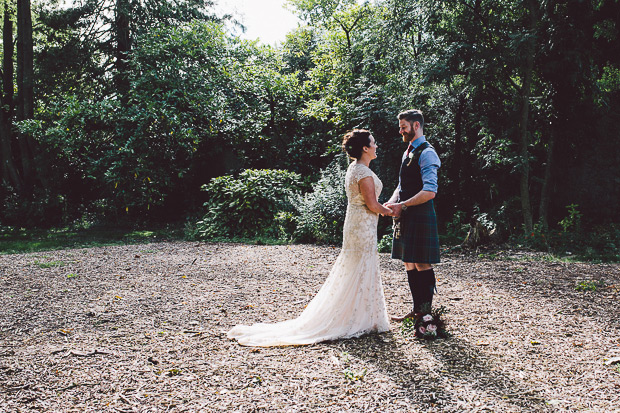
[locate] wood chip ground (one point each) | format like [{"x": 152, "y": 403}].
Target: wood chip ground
[{"x": 141, "y": 328}]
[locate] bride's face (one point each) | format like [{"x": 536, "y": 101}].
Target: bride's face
[{"x": 372, "y": 148}]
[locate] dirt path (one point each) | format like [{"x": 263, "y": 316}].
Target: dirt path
[{"x": 142, "y": 328}]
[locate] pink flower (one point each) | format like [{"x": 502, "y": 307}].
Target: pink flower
[
  {"x": 431, "y": 328},
  {"x": 422, "y": 330},
  {"x": 427, "y": 318}
]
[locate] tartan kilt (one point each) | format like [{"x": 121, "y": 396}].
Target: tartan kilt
[{"x": 419, "y": 241}]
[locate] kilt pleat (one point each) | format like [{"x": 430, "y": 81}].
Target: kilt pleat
[{"x": 419, "y": 241}]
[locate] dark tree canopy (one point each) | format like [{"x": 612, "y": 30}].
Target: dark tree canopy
[{"x": 136, "y": 104}]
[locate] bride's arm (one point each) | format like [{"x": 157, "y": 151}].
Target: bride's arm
[{"x": 367, "y": 188}]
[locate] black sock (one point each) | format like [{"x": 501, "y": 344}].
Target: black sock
[
  {"x": 425, "y": 290},
  {"x": 412, "y": 278}
]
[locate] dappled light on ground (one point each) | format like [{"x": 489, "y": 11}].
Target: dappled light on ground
[{"x": 142, "y": 327}]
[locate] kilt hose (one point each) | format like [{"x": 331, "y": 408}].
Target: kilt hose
[{"x": 418, "y": 241}]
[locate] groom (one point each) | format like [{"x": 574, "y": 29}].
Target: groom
[{"x": 415, "y": 231}]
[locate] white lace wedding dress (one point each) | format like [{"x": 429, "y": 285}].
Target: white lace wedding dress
[{"x": 351, "y": 302}]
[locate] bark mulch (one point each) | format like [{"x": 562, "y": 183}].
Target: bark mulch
[{"x": 141, "y": 328}]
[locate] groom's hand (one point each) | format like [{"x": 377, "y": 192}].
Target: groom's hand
[
  {"x": 395, "y": 207},
  {"x": 386, "y": 205}
]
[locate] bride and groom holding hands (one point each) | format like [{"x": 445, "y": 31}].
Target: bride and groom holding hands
[{"x": 351, "y": 302}]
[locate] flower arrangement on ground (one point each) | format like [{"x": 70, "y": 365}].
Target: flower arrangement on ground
[{"x": 428, "y": 325}]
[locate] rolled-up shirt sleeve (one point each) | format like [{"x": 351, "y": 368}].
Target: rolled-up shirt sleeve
[{"x": 429, "y": 164}]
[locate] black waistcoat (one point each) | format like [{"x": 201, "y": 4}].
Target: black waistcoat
[{"x": 411, "y": 176}]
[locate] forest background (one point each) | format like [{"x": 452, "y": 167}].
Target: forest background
[{"x": 136, "y": 112}]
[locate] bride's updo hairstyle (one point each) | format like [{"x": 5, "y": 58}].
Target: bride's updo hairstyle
[{"x": 354, "y": 142}]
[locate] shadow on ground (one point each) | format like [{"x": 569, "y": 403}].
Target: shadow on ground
[{"x": 443, "y": 374}]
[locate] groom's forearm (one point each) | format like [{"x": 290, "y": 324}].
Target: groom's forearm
[{"x": 419, "y": 198}]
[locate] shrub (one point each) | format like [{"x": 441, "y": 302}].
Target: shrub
[
  {"x": 42, "y": 209},
  {"x": 537, "y": 238},
  {"x": 599, "y": 243},
  {"x": 457, "y": 229},
  {"x": 385, "y": 245},
  {"x": 572, "y": 222},
  {"x": 247, "y": 206},
  {"x": 320, "y": 213}
]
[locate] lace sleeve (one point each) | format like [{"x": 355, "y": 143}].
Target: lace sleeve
[{"x": 360, "y": 172}]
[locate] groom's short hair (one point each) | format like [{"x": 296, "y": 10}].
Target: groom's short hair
[{"x": 412, "y": 115}]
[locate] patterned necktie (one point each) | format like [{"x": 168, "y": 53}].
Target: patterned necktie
[{"x": 409, "y": 149}]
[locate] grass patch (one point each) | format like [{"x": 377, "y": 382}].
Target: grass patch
[
  {"x": 20, "y": 240},
  {"x": 547, "y": 258},
  {"x": 488, "y": 256},
  {"x": 519, "y": 254},
  {"x": 353, "y": 376},
  {"x": 254, "y": 241},
  {"x": 589, "y": 285}
]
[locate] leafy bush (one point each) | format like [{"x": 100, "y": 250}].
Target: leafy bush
[
  {"x": 456, "y": 230},
  {"x": 43, "y": 209},
  {"x": 594, "y": 243},
  {"x": 598, "y": 243},
  {"x": 247, "y": 206},
  {"x": 509, "y": 218},
  {"x": 536, "y": 239},
  {"x": 572, "y": 221},
  {"x": 320, "y": 213},
  {"x": 575, "y": 238},
  {"x": 385, "y": 245}
]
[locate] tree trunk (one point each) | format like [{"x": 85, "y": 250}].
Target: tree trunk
[
  {"x": 123, "y": 47},
  {"x": 25, "y": 80},
  {"x": 524, "y": 184},
  {"x": 456, "y": 168},
  {"x": 25, "y": 61},
  {"x": 7, "y": 63},
  {"x": 10, "y": 174},
  {"x": 545, "y": 195}
]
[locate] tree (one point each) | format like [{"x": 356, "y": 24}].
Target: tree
[
  {"x": 199, "y": 102},
  {"x": 18, "y": 168},
  {"x": 123, "y": 47},
  {"x": 125, "y": 86},
  {"x": 10, "y": 174},
  {"x": 90, "y": 41},
  {"x": 25, "y": 85}
]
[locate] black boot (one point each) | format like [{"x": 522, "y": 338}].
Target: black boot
[{"x": 425, "y": 289}]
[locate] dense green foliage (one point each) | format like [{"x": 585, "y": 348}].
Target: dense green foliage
[
  {"x": 190, "y": 103},
  {"x": 320, "y": 213},
  {"x": 249, "y": 205},
  {"x": 139, "y": 104}
]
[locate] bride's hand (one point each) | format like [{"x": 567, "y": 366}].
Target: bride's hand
[
  {"x": 395, "y": 207},
  {"x": 388, "y": 214}
]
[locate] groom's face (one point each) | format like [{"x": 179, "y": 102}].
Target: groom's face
[{"x": 406, "y": 129}]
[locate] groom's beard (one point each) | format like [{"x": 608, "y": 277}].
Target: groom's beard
[{"x": 408, "y": 137}]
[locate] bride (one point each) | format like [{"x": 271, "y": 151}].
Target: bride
[{"x": 350, "y": 303}]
